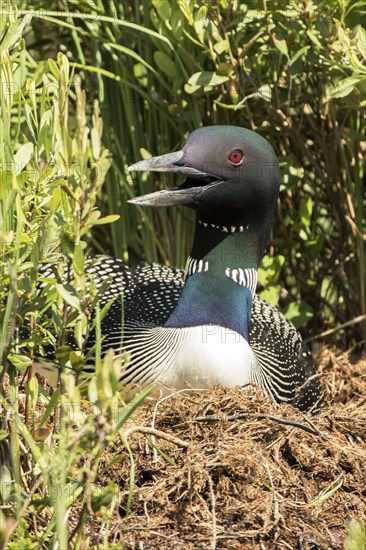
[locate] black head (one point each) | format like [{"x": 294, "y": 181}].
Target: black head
[{"x": 232, "y": 177}]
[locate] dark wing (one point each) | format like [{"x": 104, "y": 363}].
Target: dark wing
[
  {"x": 287, "y": 370},
  {"x": 143, "y": 297}
]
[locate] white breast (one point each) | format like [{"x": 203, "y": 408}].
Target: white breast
[{"x": 197, "y": 357}]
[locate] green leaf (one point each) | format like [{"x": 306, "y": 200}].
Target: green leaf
[
  {"x": 270, "y": 269},
  {"x": 306, "y": 210},
  {"x": 28, "y": 118},
  {"x": 93, "y": 390},
  {"x": 359, "y": 37},
  {"x": 77, "y": 360},
  {"x": 6, "y": 487},
  {"x": 191, "y": 89},
  {"x": 356, "y": 538},
  {"x": 53, "y": 402},
  {"x": 132, "y": 54},
  {"x": 145, "y": 153},
  {"x": 328, "y": 290},
  {"x": 15, "y": 32},
  {"x": 45, "y": 136},
  {"x": 221, "y": 46},
  {"x": 265, "y": 92},
  {"x": 298, "y": 313},
  {"x": 95, "y": 142},
  {"x": 314, "y": 38},
  {"x": 23, "y": 156},
  {"x": 200, "y": 22},
  {"x": 224, "y": 69},
  {"x": 186, "y": 9},
  {"x": 281, "y": 46},
  {"x": 304, "y": 234},
  {"x": 93, "y": 218},
  {"x": 55, "y": 71},
  {"x": 207, "y": 78},
  {"x": 164, "y": 10},
  {"x": 79, "y": 258},
  {"x": 271, "y": 294},
  {"x": 70, "y": 299},
  {"x": 164, "y": 63},
  {"x": 344, "y": 87},
  {"x": 32, "y": 390},
  {"x": 20, "y": 362},
  {"x": 104, "y": 498},
  {"x": 300, "y": 53},
  {"x": 133, "y": 405},
  {"x": 177, "y": 24},
  {"x": 107, "y": 219}
]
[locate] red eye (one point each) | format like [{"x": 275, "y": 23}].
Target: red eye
[{"x": 236, "y": 156}]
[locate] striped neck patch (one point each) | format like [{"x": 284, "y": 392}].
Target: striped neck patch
[
  {"x": 245, "y": 277},
  {"x": 224, "y": 228},
  {"x": 195, "y": 266}
]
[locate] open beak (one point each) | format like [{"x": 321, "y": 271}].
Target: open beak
[{"x": 187, "y": 193}]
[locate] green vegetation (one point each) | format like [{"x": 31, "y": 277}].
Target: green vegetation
[
  {"x": 294, "y": 73},
  {"x": 53, "y": 167},
  {"x": 150, "y": 73},
  {"x": 356, "y": 539}
]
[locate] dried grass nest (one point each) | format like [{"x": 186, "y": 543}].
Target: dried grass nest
[{"x": 247, "y": 481}]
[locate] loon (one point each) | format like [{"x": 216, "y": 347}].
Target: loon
[{"x": 205, "y": 326}]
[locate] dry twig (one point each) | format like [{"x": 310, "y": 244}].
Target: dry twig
[{"x": 241, "y": 416}]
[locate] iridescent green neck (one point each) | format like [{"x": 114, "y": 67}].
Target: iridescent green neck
[{"x": 219, "y": 247}]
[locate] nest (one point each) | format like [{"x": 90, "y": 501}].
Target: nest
[{"x": 215, "y": 469}]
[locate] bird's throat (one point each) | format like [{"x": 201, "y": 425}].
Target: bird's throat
[
  {"x": 222, "y": 248},
  {"x": 221, "y": 277}
]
